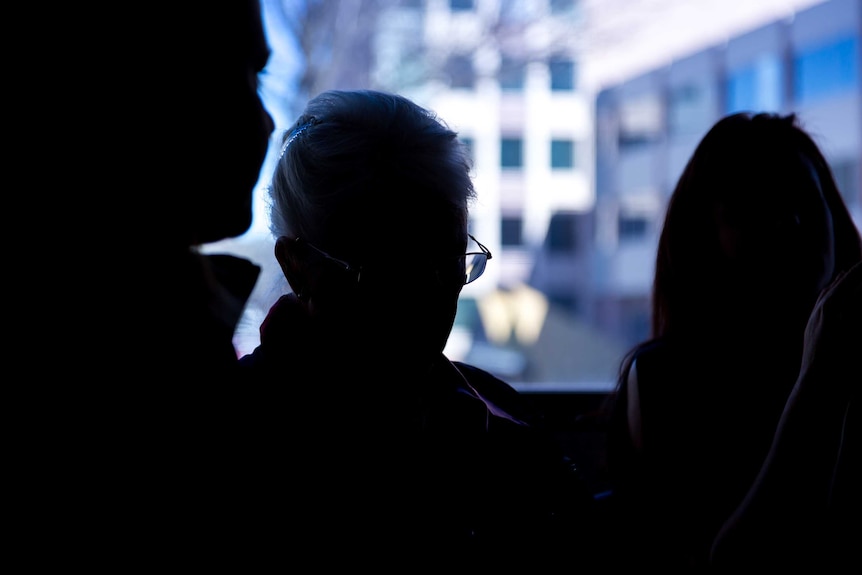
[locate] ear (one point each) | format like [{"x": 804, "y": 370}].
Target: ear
[{"x": 289, "y": 254}]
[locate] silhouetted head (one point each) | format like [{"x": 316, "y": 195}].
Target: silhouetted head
[
  {"x": 369, "y": 202},
  {"x": 214, "y": 132},
  {"x": 754, "y": 229}
]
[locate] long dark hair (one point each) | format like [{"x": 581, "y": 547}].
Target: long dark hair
[
  {"x": 686, "y": 253},
  {"x": 686, "y": 245}
]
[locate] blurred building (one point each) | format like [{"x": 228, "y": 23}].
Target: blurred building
[{"x": 648, "y": 126}]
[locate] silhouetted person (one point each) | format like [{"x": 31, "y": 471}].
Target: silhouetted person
[
  {"x": 210, "y": 195},
  {"x": 754, "y": 230},
  {"x": 803, "y": 511},
  {"x": 153, "y": 456},
  {"x": 399, "y": 455}
]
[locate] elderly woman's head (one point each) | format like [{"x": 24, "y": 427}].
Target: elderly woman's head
[{"x": 369, "y": 202}]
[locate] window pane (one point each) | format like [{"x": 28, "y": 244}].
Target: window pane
[
  {"x": 562, "y": 74},
  {"x": 847, "y": 178},
  {"x": 511, "y": 228},
  {"x": 511, "y": 75},
  {"x": 690, "y": 109},
  {"x": 511, "y": 152},
  {"x": 460, "y": 5},
  {"x": 561, "y": 233},
  {"x": 827, "y": 70},
  {"x": 515, "y": 12},
  {"x": 632, "y": 227},
  {"x": 640, "y": 121},
  {"x": 562, "y": 154},
  {"x": 460, "y": 71},
  {"x": 468, "y": 144},
  {"x": 758, "y": 87},
  {"x": 562, "y": 6}
]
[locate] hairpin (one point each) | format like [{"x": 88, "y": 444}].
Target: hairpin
[{"x": 294, "y": 135}]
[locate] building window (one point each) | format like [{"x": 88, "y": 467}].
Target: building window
[
  {"x": 562, "y": 74},
  {"x": 689, "y": 109},
  {"x": 826, "y": 70},
  {"x": 559, "y": 7},
  {"x": 511, "y": 153},
  {"x": 847, "y": 178},
  {"x": 459, "y": 67},
  {"x": 515, "y": 12},
  {"x": 468, "y": 143},
  {"x": 461, "y": 5},
  {"x": 640, "y": 121},
  {"x": 512, "y": 74},
  {"x": 561, "y": 233},
  {"x": 562, "y": 154},
  {"x": 757, "y": 87},
  {"x": 511, "y": 231},
  {"x": 632, "y": 227}
]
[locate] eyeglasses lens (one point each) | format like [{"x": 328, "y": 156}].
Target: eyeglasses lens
[{"x": 475, "y": 267}]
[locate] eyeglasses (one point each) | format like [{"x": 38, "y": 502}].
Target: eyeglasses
[
  {"x": 463, "y": 269},
  {"x": 477, "y": 260}
]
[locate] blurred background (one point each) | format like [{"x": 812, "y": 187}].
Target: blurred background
[{"x": 579, "y": 115}]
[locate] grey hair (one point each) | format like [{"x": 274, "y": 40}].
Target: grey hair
[{"x": 353, "y": 156}]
